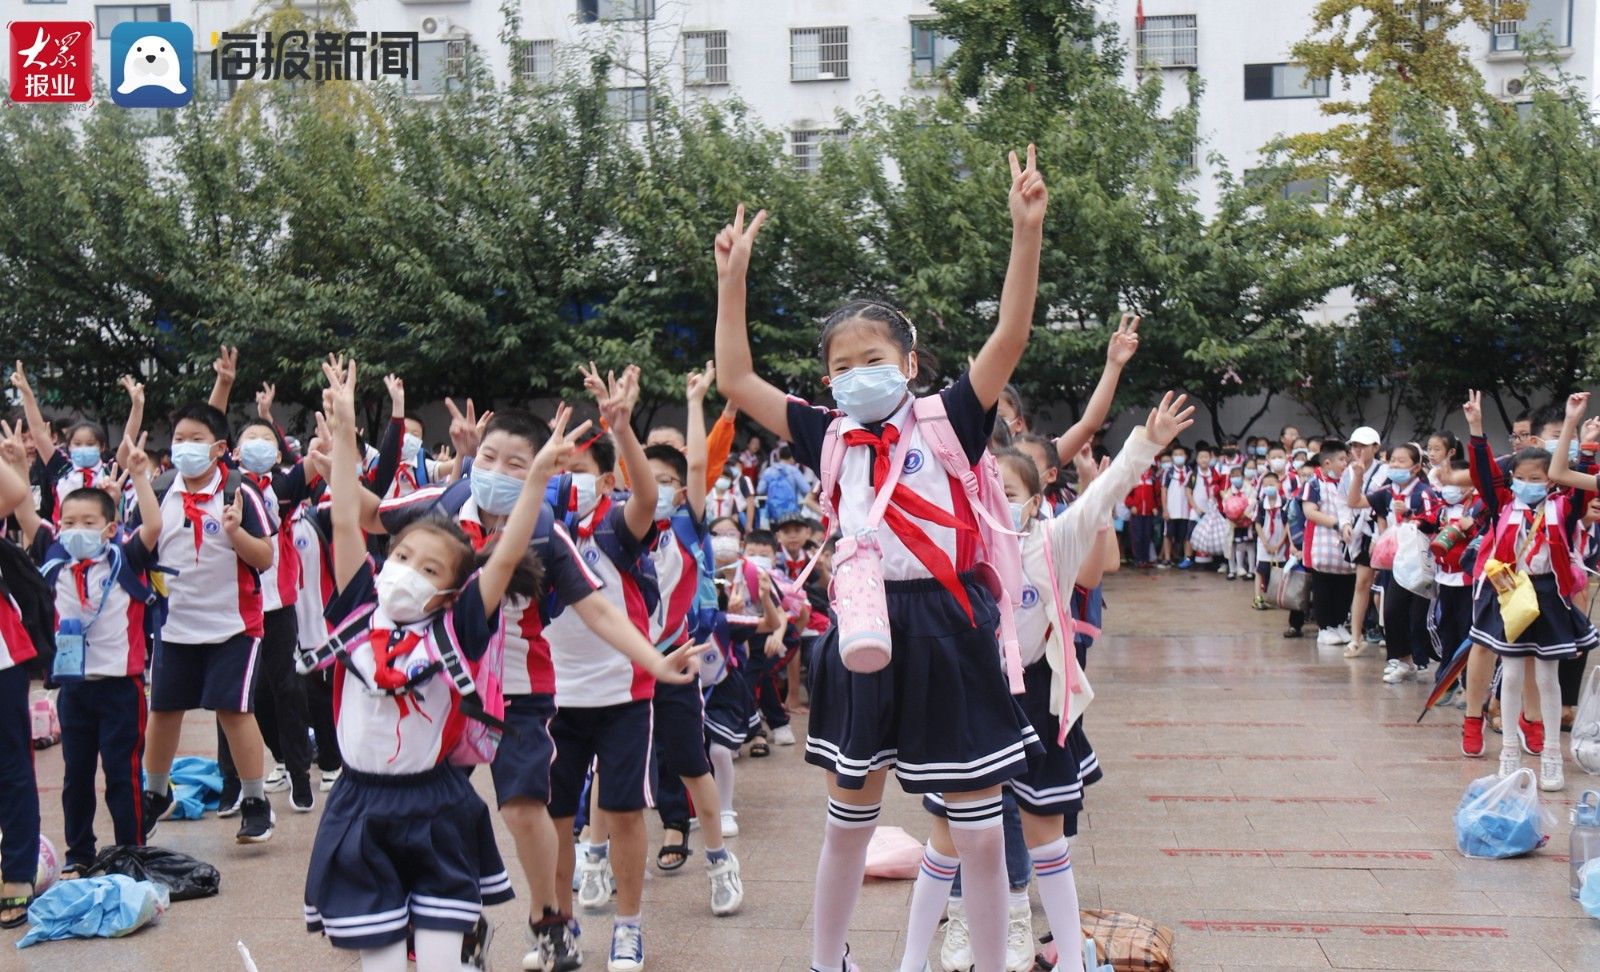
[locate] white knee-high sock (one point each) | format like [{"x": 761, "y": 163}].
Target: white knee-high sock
[
  {"x": 1511, "y": 702},
  {"x": 1547, "y": 675},
  {"x": 928, "y": 898},
  {"x": 980, "y": 842},
  {"x": 722, "y": 771},
  {"x": 437, "y": 951},
  {"x": 1052, "y": 869},
  {"x": 840, "y": 869},
  {"x": 389, "y": 958}
]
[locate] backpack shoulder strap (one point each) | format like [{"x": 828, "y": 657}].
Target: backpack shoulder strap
[
  {"x": 933, "y": 421},
  {"x": 163, "y": 483},
  {"x": 832, "y": 461},
  {"x": 456, "y": 669}
]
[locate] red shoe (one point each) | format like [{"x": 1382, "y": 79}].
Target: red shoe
[
  {"x": 1532, "y": 734},
  {"x": 1472, "y": 736}
]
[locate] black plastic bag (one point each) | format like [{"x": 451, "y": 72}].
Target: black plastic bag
[{"x": 184, "y": 877}]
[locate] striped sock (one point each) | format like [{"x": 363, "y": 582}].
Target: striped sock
[
  {"x": 1052, "y": 867},
  {"x": 980, "y": 843},
  {"x": 928, "y": 899},
  {"x": 840, "y": 868}
]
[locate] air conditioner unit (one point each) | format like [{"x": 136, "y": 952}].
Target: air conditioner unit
[
  {"x": 1514, "y": 87},
  {"x": 433, "y": 28}
]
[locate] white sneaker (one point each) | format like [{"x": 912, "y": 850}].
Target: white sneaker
[
  {"x": 1510, "y": 762},
  {"x": 627, "y": 949},
  {"x": 595, "y": 882},
  {"x": 1399, "y": 670},
  {"x": 730, "y": 823},
  {"x": 277, "y": 780},
  {"x": 1328, "y": 636},
  {"x": 955, "y": 955},
  {"x": 727, "y": 888},
  {"x": 783, "y": 736},
  {"x": 329, "y": 777},
  {"x": 1019, "y": 939},
  {"x": 1550, "y": 778}
]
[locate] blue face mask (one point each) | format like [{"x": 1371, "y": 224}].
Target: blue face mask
[
  {"x": 1261, "y": 452},
  {"x": 84, "y": 456},
  {"x": 1399, "y": 476},
  {"x": 870, "y": 394},
  {"x": 1166, "y": 465},
  {"x": 1237, "y": 481},
  {"x": 666, "y": 502},
  {"x": 1018, "y": 523},
  {"x": 1572, "y": 448},
  {"x": 410, "y": 446},
  {"x": 192, "y": 459},
  {"x": 495, "y": 493},
  {"x": 82, "y": 544},
  {"x": 1269, "y": 492},
  {"x": 258, "y": 455},
  {"x": 1531, "y": 494}
]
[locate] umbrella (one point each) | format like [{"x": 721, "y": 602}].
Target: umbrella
[{"x": 1448, "y": 673}]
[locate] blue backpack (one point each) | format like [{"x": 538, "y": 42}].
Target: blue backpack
[
  {"x": 782, "y": 496},
  {"x": 558, "y": 499},
  {"x": 692, "y": 535},
  {"x": 152, "y": 596}
]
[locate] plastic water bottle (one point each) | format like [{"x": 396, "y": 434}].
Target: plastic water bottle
[{"x": 1585, "y": 834}]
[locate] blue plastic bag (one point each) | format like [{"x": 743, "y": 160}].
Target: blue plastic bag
[
  {"x": 1589, "y": 892},
  {"x": 196, "y": 787},
  {"x": 1501, "y": 818},
  {"x": 94, "y": 907},
  {"x": 1091, "y": 961}
]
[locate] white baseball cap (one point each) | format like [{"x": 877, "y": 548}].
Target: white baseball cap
[{"x": 1366, "y": 435}]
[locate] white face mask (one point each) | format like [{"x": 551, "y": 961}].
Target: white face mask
[
  {"x": 724, "y": 484},
  {"x": 403, "y": 593},
  {"x": 725, "y": 549},
  {"x": 666, "y": 502},
  {"x": 761, "y": 563},
  {"x": 584, "y": 488},
  {"x": 410, "y": 446}
]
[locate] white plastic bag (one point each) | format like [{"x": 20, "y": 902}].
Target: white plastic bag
[
  {"x": 1502, "y": 818},
  {"x": 1413, "y": 561},
  {"x": 1586, "y": 726}
]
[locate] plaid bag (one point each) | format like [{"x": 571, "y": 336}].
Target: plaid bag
[
  {"x": 1324, "y": 547},
  {"x": 1129, "y": 943}
]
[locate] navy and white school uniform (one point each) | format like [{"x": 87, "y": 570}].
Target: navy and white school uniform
[
  {"x": 603, "y": 699},
  {"x": 1451, "y": 618},
  {"x": 19, "y": 790},
  {"x": 404, "y": 839},
  {"x": 679, "y": 710},
  {"x": 1053, "y": 785},
  {"x": 522, "y": 764},
  {"x": 940, "y": 714},
  {"x": 1405, "y": 613},
  {"x": 211, "y": 639},
  {"x": 103, "y": 713}
]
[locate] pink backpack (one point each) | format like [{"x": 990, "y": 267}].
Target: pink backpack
[
  {"x": 999, "y": 552},
  {"x": 478, "y": 685}
]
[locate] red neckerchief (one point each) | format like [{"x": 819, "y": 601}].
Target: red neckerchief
[
  {"x": 407, "y": 476},
  {"x": 263, "y": 482},
  {"x": 88, "y": 476},
  {"x": 907, "y": 499},
  {"x": 595, "y": 517},
  {"x": 80, "y": 580},
  {"x": 389, "y": 647},
  {"x": 192, "y": 503}
]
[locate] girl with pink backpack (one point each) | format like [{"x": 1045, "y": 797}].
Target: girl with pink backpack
[
  {"x": 909, "y": 678},
  {"x": 404, "y": 839}
]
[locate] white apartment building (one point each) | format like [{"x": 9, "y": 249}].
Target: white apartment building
[{"x": 798, "y": 63}]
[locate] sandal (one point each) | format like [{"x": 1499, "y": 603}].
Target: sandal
[
  {"x": 759, "y": 748},
  {"x": 11, "y": 902},
  {"x": 71, "y": 872},
  {"x": 680, "y": 849}
]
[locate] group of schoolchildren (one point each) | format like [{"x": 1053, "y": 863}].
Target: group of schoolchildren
[
  {"x": 567, "y": 605},
  {"x": 1471, "y": 520}
]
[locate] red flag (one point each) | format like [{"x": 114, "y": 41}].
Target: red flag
[{"x": 1138, "y": 15}]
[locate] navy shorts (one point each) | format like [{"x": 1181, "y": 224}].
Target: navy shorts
[
  {"x": 729, "y": 712},
  {"x": 415, "y": 850},
  {"x": 220, "y": 677},
  {"x": 521, "y": 767},
  {"x": 680, "y": 737},
  {"x": 613, "y": 738}
]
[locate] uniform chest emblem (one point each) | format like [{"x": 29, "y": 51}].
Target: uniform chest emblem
[
  {"x": 913, "y": 462},
  {"x": 212, "y": 528},
  {"x": 591, "y": 556},
  {"x": 1030, "y": 597}
]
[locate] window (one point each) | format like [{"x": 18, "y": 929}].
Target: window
[
  {"x": 805, "y": 146},
  {"x": 1169, "y": 41},
  {"x": 629, "y": 104},
  {"x": 1312, "y": 190},
  {"x": 536, "y": 61},
  {"x": 204, "y": 86},
  {"x": 441, "y": 68},
  {"x": 705, "y": 57},
  {"x": 590, "y": 11},
  {"x": 1550, "y": 18},
  {"x": 1271, "y": 81},
  {"x": 819, "y": 54},
  {"x": 44, "y": 1},
  {"x": 929, "y": 50},
  {"x": 106, "y": 18}
]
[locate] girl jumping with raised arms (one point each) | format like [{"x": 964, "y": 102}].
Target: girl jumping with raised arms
[{"x": 939, "y": 712}]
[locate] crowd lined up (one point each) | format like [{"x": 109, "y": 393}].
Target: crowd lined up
[{"x": 608, "y": 623}]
